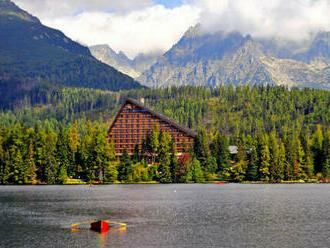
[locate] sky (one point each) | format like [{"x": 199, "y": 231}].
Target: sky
[{"x": 154, "y": 26}]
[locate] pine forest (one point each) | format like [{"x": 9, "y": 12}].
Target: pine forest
[{"x": 56, "y": 135}]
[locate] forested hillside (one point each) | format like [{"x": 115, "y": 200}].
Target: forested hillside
[
  {"x": 232, "y": 111},
  {"x": 32, "y": 53},
  {"x": 281, "y": 135}
]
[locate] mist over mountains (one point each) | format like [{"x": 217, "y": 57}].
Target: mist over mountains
[
  {"x": 132, "y": 67},
  {"x": 36, "y": 53},
  {"x": 222, "y": 58}
]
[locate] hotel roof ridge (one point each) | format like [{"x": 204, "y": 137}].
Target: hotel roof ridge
[{"x": 160, "y": 116}]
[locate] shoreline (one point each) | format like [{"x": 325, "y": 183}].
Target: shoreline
[{"x": 153, "y": 183}]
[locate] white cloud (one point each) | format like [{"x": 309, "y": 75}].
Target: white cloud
[
  {"x": 55, "y": 8},
  {"x": 142, "y": 26},
  {"x": 294, "y": 19},
  {"x": 149, "y": 30}
]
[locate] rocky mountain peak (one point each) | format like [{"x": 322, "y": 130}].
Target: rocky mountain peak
[
  {"x": 320, "y": 46},
  {"x": 221, "y": 58}
]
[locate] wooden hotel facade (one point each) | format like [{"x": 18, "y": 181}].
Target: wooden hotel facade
[{"x": 134, "y": 121}]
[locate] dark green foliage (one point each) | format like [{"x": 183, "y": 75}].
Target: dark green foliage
[
  {"x": 252, "y": 169},
  {"x": 33, "y": 54},
  {"x": 201, "y": 148},
  {"x": 220, "y": 151},
  {"x": 125, "y": 168}
]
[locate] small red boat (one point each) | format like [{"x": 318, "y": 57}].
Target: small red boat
[
  {"x": 100, "y": 226},
  {"x": 220, "y": 183}
]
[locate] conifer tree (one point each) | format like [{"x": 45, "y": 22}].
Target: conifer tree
[
  {"x": 136, "y": 154},
  {"x": 252, "y": 168},
  {"x": 164, "y": 158},
  {"x": 326, "y": 154},
  {"x": 31, "y": 169},
  {"x": 264, "y": 158},
  {"x": 174, "y": 161},
  {"x": 317, "y": 149},
  {"x": 220, "y": 151},
  {"x": 196, "y": 171},
  {"x": 17, "y": 172},
  {"x": 154, "y": 142},
  {"x": 299, "y": 161},
  {"x": 125, "y": 168},
  {"x": 279, "y": 168},
  {"x": 201, "y": 148},
  {"x": 73, "y": 143},
  {"x": 274, "y": 157},
  {"x": 62, "y": 148}
]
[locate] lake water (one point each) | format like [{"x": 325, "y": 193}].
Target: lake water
[{"x": 196, "y": 215}]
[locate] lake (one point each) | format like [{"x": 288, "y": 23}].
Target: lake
[{"x": 187, "y": 215}]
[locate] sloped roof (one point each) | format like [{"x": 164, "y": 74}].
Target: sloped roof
[{"x": 160, "y": 116}]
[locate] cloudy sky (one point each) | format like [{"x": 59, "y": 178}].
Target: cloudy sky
[{"x": 146, "y": 26}]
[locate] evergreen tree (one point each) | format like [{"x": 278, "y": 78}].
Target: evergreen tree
[
  {"x": 264, "y": 158},
  {"x": 278, "y": 175},
  {"x": 125, "y": 168},
  {"x": 196, "y": 171},
  {"x": 73, "y": 143},
  {"x": 220, "y": 151},
  {"x": 317, "y": 149},
  {"x": 274, "y": 158},
  {"x": 174, "y": 161},
  {"x": 252, "y": 168},
  {"x": 31, "y": 169},
  {"x": 154, "y": 142},
  {"x": 62, "y": 149},
  {"x": 63, "y": 175},
  {"x": 299, "y": 161},
  {"x": 326, "y": 154},
  {"x": 16, "y": 173},
  {"x": 164, "y": 158},
  {"x": 201, "y": 148},
  {"x": 136, "y": 154}
]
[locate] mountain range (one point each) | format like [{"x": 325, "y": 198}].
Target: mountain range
[
  {"x": 32, "y": 53},
  {"x": 212, "y": 59},
  {"x": 132, "y": 67},
  {"x": 231, "y": 58}
]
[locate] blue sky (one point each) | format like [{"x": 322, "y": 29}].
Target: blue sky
[{"x": 171, "y": 3}]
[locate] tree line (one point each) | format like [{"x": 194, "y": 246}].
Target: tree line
[
  {"x": 282, "y": 132},
  {"x": 83, "y": 151}
]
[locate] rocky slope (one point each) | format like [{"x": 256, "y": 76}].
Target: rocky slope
[
  {"x": 221, "y": 59},
  {"x": 121, "y": 62}
]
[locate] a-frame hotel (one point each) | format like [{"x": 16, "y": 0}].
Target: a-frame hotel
[{"x": 134, "y": 121}]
